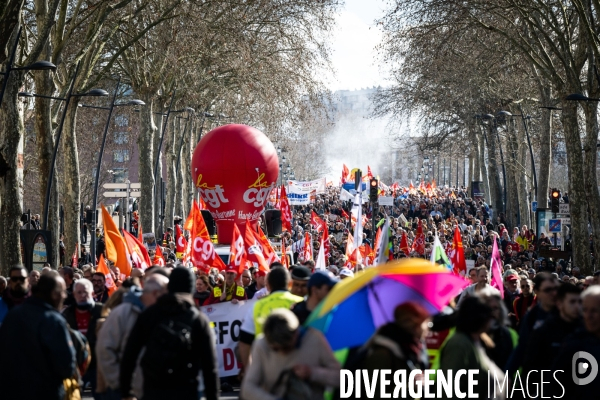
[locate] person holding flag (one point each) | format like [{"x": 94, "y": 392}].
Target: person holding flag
[{"x": 231, "y": 291}]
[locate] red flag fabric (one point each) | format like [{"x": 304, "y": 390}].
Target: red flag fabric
[
  {"x": 203, "y": 254},
  {"x": 284, "y": 259},
  {"x": 237, "y": 253},
  {"x": 108, "y": 279},
  {"x": 139, "y": 254},
  {"x": 267, "y": 250},
  {"x": 326, "y": 242},
  {"x": 404, "y": 245},
  {"x": 419, "y": 242},
  {"x": 140, "y": 234},
  {"x": 180, "y": 242},
  {"x": 317, "y": 223},
  {"x": 286, "y": 213},
  {"x": 345, "y": 174},
  {"x": 457, "y": 255},
  {"x": 369, "y": 173},
  {"x": 75, "y": 258},
  {"x": 307, "y": 254},
  {"x": 345, "y": 214},
  {"x": 254, "y": 252},
  {"x": 158, "y": 257}
]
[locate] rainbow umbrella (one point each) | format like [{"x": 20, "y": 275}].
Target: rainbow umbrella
[{"x": 356, "y": 307}]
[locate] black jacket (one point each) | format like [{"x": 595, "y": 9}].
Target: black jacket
[
  {"x": 203, "y": 349},
  {"x": 36, "y": 353},
  {"x": 546, "y": 341},
  {"x": 69, "y": 314}
]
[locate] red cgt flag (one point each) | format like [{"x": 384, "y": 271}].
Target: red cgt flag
[
  {"x": 254, "y": 252},
  {"x": 180, "y": 242},
  {"x": 317, "y": 223},
  {"x": 307, "y": 254},
  {"x": 286, "y": 213},
  {"x": 457, "y": 255},
  {"x": 203, "y": 254},
  {"x": 237, "y": 253},
  {"x": 404, "y": 245},
  {"x": 419, "y": 242},
  {"x": 158, "y": 257},
  {"x": 108, "y": 279},
  {"x": 139, "y": 254}
]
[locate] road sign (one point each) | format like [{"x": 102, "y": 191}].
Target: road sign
[
  {"x": 121, "y": 195},
  {"x": 386, "y": 201},
  {"x": 563, "y": 208},
  {"x": 566, "y": 221},
  {"x": 533, "y": 206},
  {"x": 554, "y": 225},
  {"x": 122, "y": 186}
]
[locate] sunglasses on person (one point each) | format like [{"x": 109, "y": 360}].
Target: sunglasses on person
[{"x": 17, "y": 278}]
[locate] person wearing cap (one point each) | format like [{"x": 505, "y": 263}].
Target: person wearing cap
[
  {"x": 175, "y": 308},
  {"x": 300, "y": 277},
  {"x": 278, "y": 281},
  {"x": 511, "y": 292},
  {"x": 319, "y": 285},
  {"x": 258, "y": 283},
  {"x": 346, "y": 273},
  {"x": 229, "y": 291}
]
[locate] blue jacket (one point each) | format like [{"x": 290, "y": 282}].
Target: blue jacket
[{"x": 36, "y": 352}]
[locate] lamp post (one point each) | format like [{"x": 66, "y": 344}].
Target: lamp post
[
  {"x": 67, "y": 100},
  {"x": 508, "y": 114},
  {"x": 36, "y": 66},
  {"x": 101, "y": 154}
]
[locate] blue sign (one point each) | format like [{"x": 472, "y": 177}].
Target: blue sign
[
  {"x": 554, "y": 225},
  {"x": 349, "y": 186},
  {"x": 533, "y": 206}
]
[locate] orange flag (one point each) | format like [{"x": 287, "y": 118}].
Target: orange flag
[
  {"x": 286, "y": 214},
  {"x": 404, "y": 245},
  {"x": 284, "y": 259},
  {"x": 308, "y": 249},
  {"x": 108, "y": 279},
  {"x": 140, "y": 234},
  {"x": 267, "y": 249},
  {"x": 237, "y": 253},
  {"x": 189, "y": 222},
  {"x": 457, "y": 255},
  {"x": 254, "y": 253},
  {"x": 139, "y": 254},
  {"x": 203, "y": 252},
  {"x": 116, "y": 249},
  {"x": 158, "y": 257}
]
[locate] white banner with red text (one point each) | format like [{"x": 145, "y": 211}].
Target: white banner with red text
[{"x": 226, "y": 319}]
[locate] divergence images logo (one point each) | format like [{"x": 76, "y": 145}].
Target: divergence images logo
[{"x": 581, "y": 367}]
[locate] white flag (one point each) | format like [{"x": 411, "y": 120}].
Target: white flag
[
  {"x": 321, "y": 264},
  {"x": 382, "y": 254},
  {"x": 358, "y": 228}
]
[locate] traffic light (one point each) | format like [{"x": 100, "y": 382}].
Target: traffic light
[
  {"x": 555, "y": 200},
  {"x": 373, "y": 190}
]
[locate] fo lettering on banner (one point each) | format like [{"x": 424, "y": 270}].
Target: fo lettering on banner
[{"x": 226, "y": 318}]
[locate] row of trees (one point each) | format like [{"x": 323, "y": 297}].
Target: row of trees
[
  {"x": 254, "y": 61},
  {"x": 453, "y": 61}
]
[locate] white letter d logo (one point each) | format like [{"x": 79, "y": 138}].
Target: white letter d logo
[{"x": 580, "y": 368}]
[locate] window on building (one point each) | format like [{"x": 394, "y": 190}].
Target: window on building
[
  {"x": 120, "y": 175},
  {"x": 121, "y": 156},
  {"x": 121, "y": 137},
  {"x": 122, "y": 120}
]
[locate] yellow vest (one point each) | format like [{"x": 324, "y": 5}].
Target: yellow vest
[{"x": 264, "y": 306}]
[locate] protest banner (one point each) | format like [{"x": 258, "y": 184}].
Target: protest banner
[
  {"x": 318, "y": 185},
  {"x": 226, "y": 318}
]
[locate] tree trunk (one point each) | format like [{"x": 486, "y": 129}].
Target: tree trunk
[
  {"x": 158, "y": 211},
  {"x": 186, "y": 163},
  {"x": 494, "y": 178},
  {"x": 72, "y": 190},
  {"x": 11, "y": 136},
  {"x": 589, "y": 167},
  {"x": 169, "y": 151},
  {"x": 45, "y": 148},
  {"x": 521, "y": 169},
  {"x": 577, "y": 193},
  {"x": 146, "y": 162},
  {"x": 545, "y": 141},
  {"x": 483, "y": 167}
]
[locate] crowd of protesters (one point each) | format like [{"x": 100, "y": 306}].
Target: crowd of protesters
[{"x": 62, "y": 330}]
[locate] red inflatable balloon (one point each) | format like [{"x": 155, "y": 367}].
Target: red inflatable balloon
[{"x": 234, "y": 168}]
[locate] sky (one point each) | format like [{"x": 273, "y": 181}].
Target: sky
[{"x": 353, "y": 45}]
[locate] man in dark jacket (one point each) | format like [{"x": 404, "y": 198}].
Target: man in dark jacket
[
  {"x": 16, "y": 292},
  {"x": 82, "y": 316},
  {"x": 169, "y": 373},
  {"x": 36, "y": 352}
]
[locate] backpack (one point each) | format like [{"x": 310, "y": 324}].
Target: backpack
[{"x": 168, "y": 355}]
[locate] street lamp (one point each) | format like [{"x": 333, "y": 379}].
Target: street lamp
[
  {"x": 507, "y": 114},
  {"x": 36, "y": 66},
  {"x": 67, "y": 100},
  {"x": 110, "y": 109}
]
